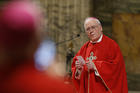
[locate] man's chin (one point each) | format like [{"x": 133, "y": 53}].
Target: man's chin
[{"x": 92, "y": 40}]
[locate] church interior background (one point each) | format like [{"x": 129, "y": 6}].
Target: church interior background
[{"x": 120, "y": 19}]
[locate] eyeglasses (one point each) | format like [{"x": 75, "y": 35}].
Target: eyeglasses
[{"x": 91, "y": 28}]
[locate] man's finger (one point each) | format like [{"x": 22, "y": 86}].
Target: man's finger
[{"x": 77, "y": 64}]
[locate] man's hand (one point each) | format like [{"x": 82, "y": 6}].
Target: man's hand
[
  {"x": 78, "y": 64},
  {"x": 90, "y": 65},
  {"x": 79, "y": 67}
]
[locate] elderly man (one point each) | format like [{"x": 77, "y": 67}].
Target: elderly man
[{"x": 99, "y": 67}]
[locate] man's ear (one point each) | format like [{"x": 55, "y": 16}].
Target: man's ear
[{"x": 101, "y": 29}]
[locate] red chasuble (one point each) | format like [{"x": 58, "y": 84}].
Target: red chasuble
[
  {"x": 110, "y": 65},
  {"x": 26, "y": 79}
]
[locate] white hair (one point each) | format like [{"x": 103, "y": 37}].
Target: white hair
[{"x": 89, "y": 19}]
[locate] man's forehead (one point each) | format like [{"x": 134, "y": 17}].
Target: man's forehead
[{"x": 91, "y": 22}]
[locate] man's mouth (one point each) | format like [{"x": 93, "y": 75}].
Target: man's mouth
[{"x": 91, "y": 33}]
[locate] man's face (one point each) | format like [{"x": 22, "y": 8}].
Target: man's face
[{"x": 93, "y": 29}]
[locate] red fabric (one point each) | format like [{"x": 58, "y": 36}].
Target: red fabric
[
  {"x": 110, "y": 65},
  {"x": 26, "y": 79}
]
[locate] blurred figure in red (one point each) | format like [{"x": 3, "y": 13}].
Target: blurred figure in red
[{"x": 19, "y": 39}]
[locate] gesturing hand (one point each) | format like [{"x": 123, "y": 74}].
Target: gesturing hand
[
  {"x": 90, "y": 65},
  {"x": 78, "y": 64},
  {"x": 79, "y": 68}
]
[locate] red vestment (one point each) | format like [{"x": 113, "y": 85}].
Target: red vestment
[
  {"x": 24, "y": 78},
  {"x": 110, "y": 64}
]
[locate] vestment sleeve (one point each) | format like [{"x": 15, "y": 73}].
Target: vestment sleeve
[
  {"x": 75, "y": 81},
  {"x": 80, "y": 53}
]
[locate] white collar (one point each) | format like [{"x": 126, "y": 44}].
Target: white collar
[{"x": 99, "y": 40}]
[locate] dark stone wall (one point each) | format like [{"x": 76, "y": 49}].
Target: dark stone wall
[{"x": 104, "y": 9}]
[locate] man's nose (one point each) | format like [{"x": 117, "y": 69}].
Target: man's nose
[{"x": 90, "y": 29}]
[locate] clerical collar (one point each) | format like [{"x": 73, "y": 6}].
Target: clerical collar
[{"x": 99, "y": 40}]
